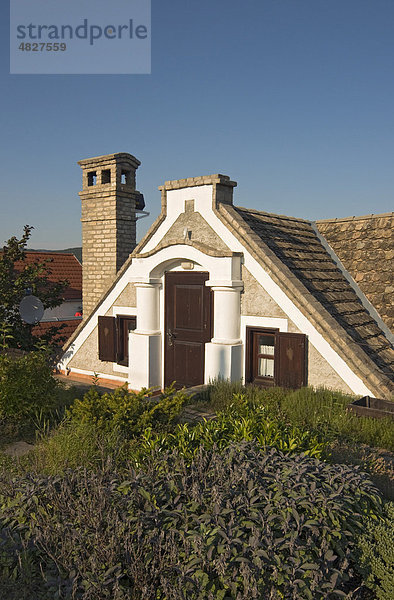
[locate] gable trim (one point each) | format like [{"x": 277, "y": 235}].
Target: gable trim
[{"x": 174, "y": 208}]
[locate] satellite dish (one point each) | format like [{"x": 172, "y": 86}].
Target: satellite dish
[{"x": 31, "y": 309}]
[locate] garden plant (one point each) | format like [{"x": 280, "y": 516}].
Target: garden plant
[{"x": 123, "y": 499}]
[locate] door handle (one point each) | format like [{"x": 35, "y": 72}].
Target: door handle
[{"x": 170, "y": 337}]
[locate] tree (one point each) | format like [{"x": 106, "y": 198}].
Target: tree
[{"x": 17, "y": 276}]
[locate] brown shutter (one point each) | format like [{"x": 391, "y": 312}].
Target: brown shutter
[
  {"x": 290, "y": 360},
  {"x": 107, "y": 338}
]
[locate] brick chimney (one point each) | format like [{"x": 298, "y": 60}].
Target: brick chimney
[{"x": 109, "y": 201}]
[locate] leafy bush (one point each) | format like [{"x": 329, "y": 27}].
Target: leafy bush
[
  {"x": 237, "y": 423},
  {"x": 134, "y": 426},
  {"x": 27, "y": 385},
  {"x": 127, "y": 411},
  {"x": 98, "y": 426},
  {"x": 237, "y": 524},
  {"x": 377, "y": 554}
]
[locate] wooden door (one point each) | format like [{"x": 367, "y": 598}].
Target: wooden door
[{"x": 187, "y": 327}]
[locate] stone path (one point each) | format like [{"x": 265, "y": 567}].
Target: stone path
[
  {"x": 196, "y": 414},
  {"x": 18, "y": 448},
  {"x": 84, "y": 385}
]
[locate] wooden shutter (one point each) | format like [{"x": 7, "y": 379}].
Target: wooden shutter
[
  {"x": 107, "y": 338},
  {"x": 290, "y": 360}
]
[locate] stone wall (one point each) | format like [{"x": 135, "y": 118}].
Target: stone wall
[
  {"x": 198, "y": 230},
  {"x": 365, "y": 246}
]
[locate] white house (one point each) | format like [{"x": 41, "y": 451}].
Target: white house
[{"x": 214, "y": 290}]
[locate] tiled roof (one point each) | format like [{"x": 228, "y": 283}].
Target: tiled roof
[
  {"x": 66, "y": 331},
  {"x": 365, "y": 246},
  {"x": 295, "y": 245},
  {"x": 62, "y": 266}
]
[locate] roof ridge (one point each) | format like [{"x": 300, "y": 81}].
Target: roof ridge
[
  {"x": 263, "y": 212},
  {"x": 354, "y": 218},
  {"x": 49, "y": 252}
]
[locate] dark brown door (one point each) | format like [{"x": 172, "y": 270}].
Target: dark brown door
[{"x": 188, "y": 327}]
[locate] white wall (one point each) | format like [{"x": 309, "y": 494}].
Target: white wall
[{"x": 64, "y": 311}]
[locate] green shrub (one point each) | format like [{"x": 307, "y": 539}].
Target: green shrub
[
  {"x": 128, "y": 412},
  {"x": 27, "y": 385},
  {"x": 236, "y": 424},
  {"x": 377, "y": 554},
  {"x": 236, "y": 524},
  {"x": 100, "y": 426},
  {"x": 323, "y": 411}
]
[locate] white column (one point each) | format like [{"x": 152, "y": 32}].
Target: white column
[
  {"x": 227, "y": 315},
  {"x": 147, "y": 307},
  {"x": 145, "y": 340},
  {"x": 224, "y": 354}
]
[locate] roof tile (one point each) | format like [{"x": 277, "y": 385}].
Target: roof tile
[
  {"x": 62, "y": 266},
  {"x": 365, "y": 246}
]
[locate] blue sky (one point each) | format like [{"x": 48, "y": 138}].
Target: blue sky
[{"x": 291, "y": 98}]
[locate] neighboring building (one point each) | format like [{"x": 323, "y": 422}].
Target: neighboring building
[
  {"x": 365, "y": 246},
  {"x": 214, "y": 290},
  {"x": 61, "y": 267}
]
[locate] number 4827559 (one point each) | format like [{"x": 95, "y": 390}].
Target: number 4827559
[{"x": 43, "y": 47}]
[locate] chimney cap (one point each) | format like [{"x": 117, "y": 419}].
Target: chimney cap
[
  {"x": 217, "y": 179},
  {"x": 118, "y": 157}
]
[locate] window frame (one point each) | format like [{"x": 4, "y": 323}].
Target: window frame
[
  {"x": 122, "y": 322},
  {"x": 252, "y": 356},
  {"x": 286, "y": 346}
]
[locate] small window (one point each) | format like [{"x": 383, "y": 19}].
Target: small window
[
  {"x": 92, "y": 178},
  {"x": 106, "y": 176},
  {"x": 275, "y": 358},
  {"x": 125, "y": 177},
  {"x": 265, "y": 354},
  {"x": 124, "y": 325}
]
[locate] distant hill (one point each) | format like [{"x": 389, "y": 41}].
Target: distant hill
[{"x": 76, "y": 251}]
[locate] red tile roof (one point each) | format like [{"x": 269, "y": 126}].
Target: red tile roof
[
  {"x": 62, "y": 266},
  {"x": 65, "y": 332}
]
